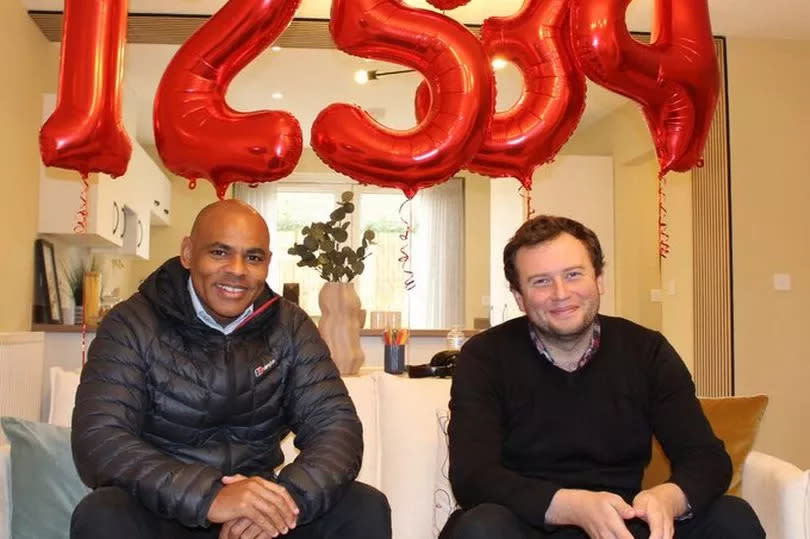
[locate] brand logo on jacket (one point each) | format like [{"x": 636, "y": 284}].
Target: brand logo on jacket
[{"x": 259, "y": 371}]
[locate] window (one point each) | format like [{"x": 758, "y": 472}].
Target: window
[{"x": 434, "y": 249}]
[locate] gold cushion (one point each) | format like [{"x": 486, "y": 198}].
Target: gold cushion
[{"x": 735, "y": 420}]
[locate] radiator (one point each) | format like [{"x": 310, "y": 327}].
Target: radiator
[{"x": 21, "y": 359}]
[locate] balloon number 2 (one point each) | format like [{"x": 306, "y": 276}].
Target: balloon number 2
[{"x": 552, "y": 42}]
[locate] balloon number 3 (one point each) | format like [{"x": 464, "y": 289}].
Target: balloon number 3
[{"x": 461, "y": 82}]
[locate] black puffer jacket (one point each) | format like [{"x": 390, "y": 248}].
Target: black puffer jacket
[{"x": 167, "y": 405}]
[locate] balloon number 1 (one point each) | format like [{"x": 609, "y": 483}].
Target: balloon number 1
[
  {"x": 552, "y": 42},
  {"x": 84, "y": 132}
]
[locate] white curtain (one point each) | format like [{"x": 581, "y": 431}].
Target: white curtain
[
  {"x": 437, "y": 257},
  {"x": 263, "y": 199}
]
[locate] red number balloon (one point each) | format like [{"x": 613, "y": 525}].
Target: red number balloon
[
  {"x": 85, "y": 132},
  {"x": 197, "y": 133},
  {"x": 531, "y": 132},
  {"x": 454, "y": 64},
  {"x": 675, "y": 79}
]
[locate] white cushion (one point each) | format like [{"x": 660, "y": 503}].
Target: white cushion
[
  {"x": 408, "y": 448},
  {"x": 63, "y": 396},
  {"x": 363, "y": 391},
  {"x": 444, "y": 503}
]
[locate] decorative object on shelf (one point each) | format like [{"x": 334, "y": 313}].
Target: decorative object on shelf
[
  {"x": 47, "y": 305},
  {"x": 394, "y": 340},
  {"x": 340, "y": 325},
  {"x": 341, "y": 314},
  {"x": 92, "y": 297},
  {"x": 74, "y": 277},
  {"x": 321, "y": 248},
  {"x": 292, "y": 292}
]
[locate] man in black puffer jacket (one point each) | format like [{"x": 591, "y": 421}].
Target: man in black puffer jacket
[{"x": 189, "y": 388}]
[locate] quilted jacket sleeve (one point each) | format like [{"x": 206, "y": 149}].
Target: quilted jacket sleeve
[
  {"x": 107, "y": 420},
  {"x": 324, "y": 420}
]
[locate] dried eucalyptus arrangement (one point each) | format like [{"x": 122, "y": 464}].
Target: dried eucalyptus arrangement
[{"x": 322, "y": 247}]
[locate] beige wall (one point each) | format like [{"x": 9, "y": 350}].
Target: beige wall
[
  {"x": 624, "y": 135},
  {"x": 770, "y": 163},
  {"x": 476, "y": 248},
  {"x": 29, "y": 65},
  {"x": 165, "y": 241}
]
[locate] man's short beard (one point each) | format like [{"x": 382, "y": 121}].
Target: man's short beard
[{"x": 571, "y": 336}]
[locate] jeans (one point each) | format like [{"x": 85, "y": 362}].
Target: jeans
[
  {"x": 727, "y": 518},
  {"x": 362, "y": 513}
]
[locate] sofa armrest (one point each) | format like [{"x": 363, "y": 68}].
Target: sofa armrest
[
  {"x": 5, "y": 492},
  {"x": 779, "y": 492}
]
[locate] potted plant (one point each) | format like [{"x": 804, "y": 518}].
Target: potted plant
[
  {"x": 323, "y": 245},
  {"x": 324, "y": 248}
]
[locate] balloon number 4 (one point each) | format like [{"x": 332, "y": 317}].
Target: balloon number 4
[{"x": 554, "y": 43}]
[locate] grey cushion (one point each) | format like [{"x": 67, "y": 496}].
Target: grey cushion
[{"x": 44, "y": 483}]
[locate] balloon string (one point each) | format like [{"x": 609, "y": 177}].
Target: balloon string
[
  {"x": 663, "y": 235},
  {"x": 526, "y": 195},
  {"x": 403, "y": 260},
  {"x": 80, "y": 226},
  {"x": 84, "y": 338}
]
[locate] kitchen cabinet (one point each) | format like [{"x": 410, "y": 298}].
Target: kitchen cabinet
[{"x": 120, "y": 210}]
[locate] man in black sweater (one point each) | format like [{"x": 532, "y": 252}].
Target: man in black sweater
[{"x": 552, "y": 415}]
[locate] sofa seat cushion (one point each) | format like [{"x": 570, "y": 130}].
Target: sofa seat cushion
[
  {"x": 735, "y": 420},
  {"x": 44, "y": 483},
  {"x": 363, "y": 392},
  {"x": 408, "y": 441}
]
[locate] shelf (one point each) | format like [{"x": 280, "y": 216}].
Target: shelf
[{"x": 61, "y": 328}]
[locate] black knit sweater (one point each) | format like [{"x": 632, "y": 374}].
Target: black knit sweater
[{"x": 522, "y": 428}]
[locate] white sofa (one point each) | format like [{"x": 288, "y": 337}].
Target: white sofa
[{"x": 404, "y": 457}]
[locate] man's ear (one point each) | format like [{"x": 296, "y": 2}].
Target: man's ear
[
  {"x": 600, "y": 284},
  {"x": 518, "y": 299},
  {"x": 185, "y": 252}
]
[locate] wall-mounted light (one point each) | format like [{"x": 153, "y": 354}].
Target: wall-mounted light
[
  {"x": 277, "y": 95},
  {"x": 362, "y": 76}
]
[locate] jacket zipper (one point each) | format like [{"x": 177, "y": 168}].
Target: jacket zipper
[{"x": 231, "y": 389}]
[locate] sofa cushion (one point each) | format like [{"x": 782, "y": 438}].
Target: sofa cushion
[
  {"x": 735, "y": 420},
  {"x": 63, "y": 396},
  {"x": 363, "y": 391},
  {"x": 408, "y": 448},
  {"x": 44, "y": 483}
]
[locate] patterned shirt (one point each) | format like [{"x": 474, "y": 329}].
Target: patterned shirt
[{"x": 586, "y": 357}]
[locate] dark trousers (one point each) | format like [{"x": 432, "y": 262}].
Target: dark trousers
[
  {"x": 727, "y": 518},
  {"x": 363, "y": 513}
]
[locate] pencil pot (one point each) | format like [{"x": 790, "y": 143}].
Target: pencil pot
[{"x": 394, "y": 359}]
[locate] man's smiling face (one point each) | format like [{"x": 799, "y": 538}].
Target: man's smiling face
[{"x": 228, "y": 255}]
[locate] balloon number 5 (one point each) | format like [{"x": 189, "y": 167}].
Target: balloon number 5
[{"x": 461, "y": 82}]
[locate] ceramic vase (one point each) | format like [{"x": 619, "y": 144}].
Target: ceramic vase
[{"x": 341, "y": 319}]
